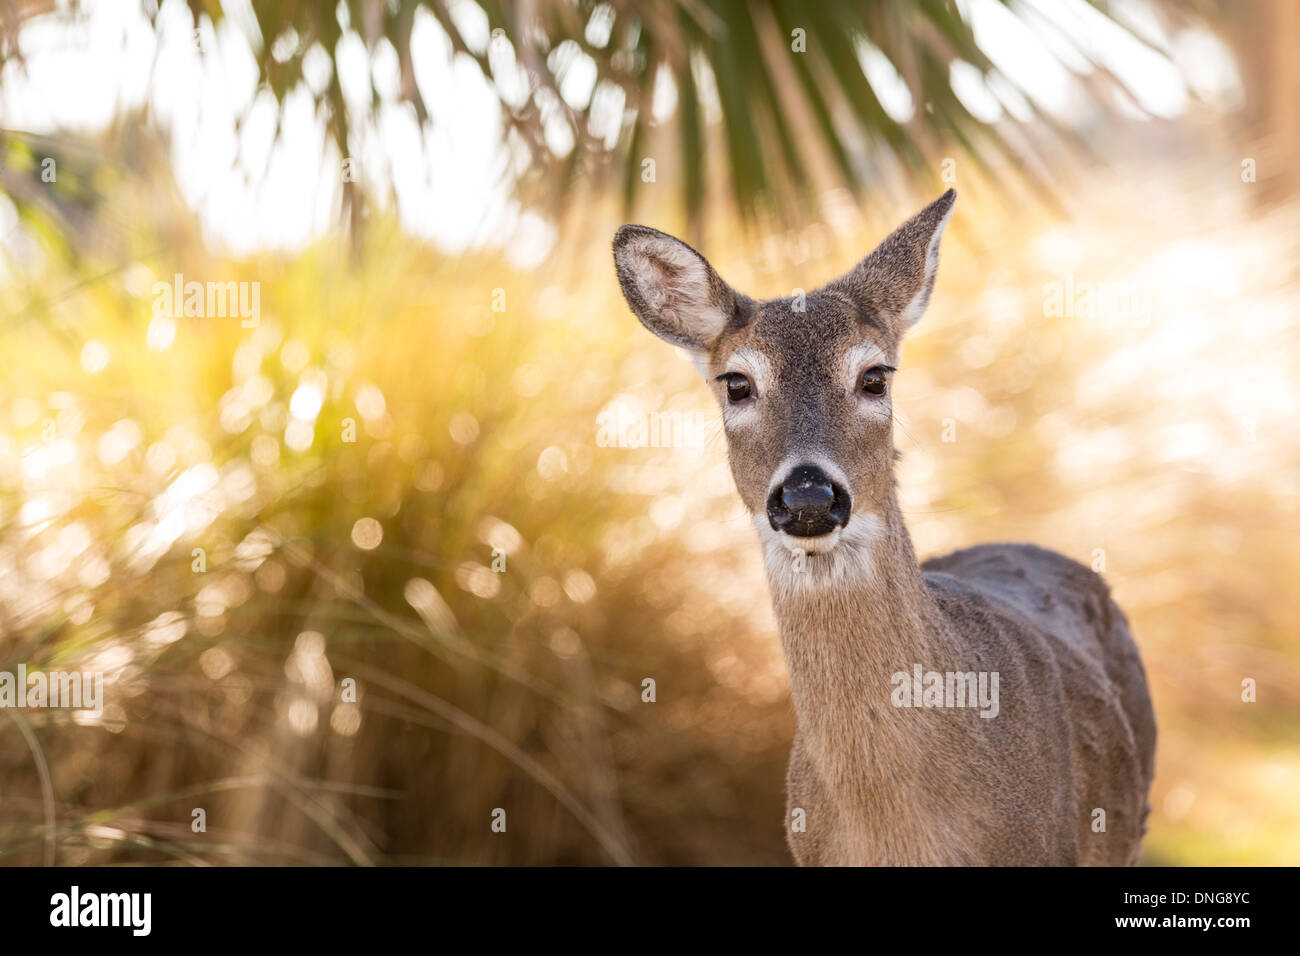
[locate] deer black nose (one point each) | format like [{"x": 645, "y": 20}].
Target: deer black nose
[{"x": 808, "y": 504}]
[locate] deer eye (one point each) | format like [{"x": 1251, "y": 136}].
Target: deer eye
[
  {"x": 873, "y": 380},
  {"x": 738, "y": 388}
]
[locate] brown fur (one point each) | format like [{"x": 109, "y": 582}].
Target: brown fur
[{"x": 877, "y": 783}]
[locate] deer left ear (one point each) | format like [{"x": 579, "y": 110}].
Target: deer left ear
[
  {"x": 896, "y": 280},
  {"x": 672, "y": 288}
]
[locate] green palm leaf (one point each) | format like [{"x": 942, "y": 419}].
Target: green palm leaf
[{"x": 780, "y": 108}]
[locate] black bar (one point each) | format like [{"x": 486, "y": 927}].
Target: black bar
[{"x": 948, "y": 907}]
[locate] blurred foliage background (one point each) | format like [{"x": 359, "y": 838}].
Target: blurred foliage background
[{"x": 408, "y": 409}]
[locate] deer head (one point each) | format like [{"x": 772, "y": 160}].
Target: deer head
[{"x": 804, "y": 385}]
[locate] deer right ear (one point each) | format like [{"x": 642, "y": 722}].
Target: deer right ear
[
  {"x": 672, "y": 288},
  {"x": 896, "y": 280}
]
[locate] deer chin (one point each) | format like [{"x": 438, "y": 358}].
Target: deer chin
[
  {"x": 817, "y": 544},
  {"x": 843, "y": 558}
]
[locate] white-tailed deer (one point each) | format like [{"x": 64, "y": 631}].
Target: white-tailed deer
[{"x": 988, "y": 707}]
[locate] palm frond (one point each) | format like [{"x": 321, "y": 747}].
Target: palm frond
[{"x": 788, "y": 78}]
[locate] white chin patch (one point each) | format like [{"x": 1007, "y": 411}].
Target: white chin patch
[{"x": 845, "y": 557}]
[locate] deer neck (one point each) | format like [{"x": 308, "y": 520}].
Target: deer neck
[{"x": 845, "y": 635}]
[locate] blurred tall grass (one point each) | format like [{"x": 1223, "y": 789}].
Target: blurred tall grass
[{"x": 1162, "y": 445}]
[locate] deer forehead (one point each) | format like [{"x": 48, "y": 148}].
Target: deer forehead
[{"x": 781, "y": 343}]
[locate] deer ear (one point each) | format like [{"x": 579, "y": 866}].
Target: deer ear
[
  {"x": 672, "y": 288},
  {"x": 895, "y": 281}
]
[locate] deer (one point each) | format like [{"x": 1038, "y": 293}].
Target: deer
[{"x": 889, "y": 765}]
